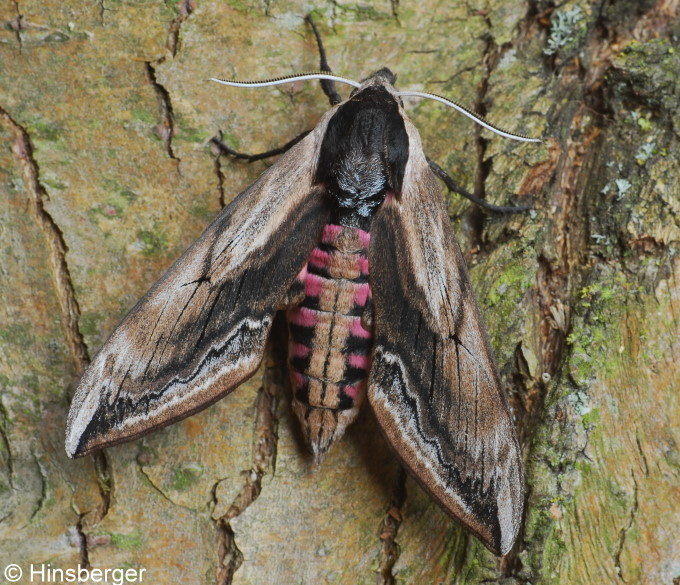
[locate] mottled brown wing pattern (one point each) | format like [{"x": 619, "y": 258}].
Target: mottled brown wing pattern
[
  {"x": 433, "y": 384},
  {"x": 201, "y": 329}
]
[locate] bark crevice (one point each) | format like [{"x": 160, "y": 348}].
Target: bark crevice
[
  {"x": 22, "y": 149},
  {"x": 166, "y": 129},
  {"x": 81, "y": 538},
  {"x": 265, "y": 441},
  {"x": 623, "y": 533},
  {"x": 389, "y": 529},
  {"x": 184, "y": 9},
  {"x": 219, "y": 175},
  {"x": 17, "y": 25}
]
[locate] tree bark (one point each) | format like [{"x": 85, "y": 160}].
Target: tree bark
[{"x": 107, "y": 174}]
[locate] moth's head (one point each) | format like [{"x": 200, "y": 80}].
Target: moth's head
[
  {"x": 383, "y": 76},
  {"x": 382, "y": 79}
]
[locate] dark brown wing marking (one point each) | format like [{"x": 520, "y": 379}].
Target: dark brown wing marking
[
  {"x": 201, "y": 329},
  {"x": 433, "y": 384}
]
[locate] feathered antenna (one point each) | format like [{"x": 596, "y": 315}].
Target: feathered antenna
[
  {"x": 287, "y": 79},
  {"x": 463, "y": 110}
]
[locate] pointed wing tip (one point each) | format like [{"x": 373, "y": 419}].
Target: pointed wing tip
[
  {"x": 509, "y": 528},
  {"x": 71, "y": 451},
  {"x": 498, "y": 522},
  {"x": 501, "y": 541},
  {"x": 506, "y": 544},
  {"x": 73, "y": 445}
]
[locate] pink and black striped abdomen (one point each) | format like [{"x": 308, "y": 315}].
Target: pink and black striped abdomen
[{"x": 329, "y": 347}]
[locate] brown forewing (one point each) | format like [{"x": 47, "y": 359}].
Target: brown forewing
[
  {"x": 201, "y": 329},
  {"x": 433, "y": 384}
]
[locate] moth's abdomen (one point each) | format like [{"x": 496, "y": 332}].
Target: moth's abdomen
[{"x": 329, "y": 347}]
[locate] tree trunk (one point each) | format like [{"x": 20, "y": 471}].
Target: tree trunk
[{"x": 107, "y": 174}]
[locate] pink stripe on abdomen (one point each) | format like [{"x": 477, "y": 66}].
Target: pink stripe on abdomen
[
  {"x": 358, "y": 360},
  {"x": 357, "y": 329},
  {"x": 329, "y": 347},
  {"x": 302, "y": 316}
]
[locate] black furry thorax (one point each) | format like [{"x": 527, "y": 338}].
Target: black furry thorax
[{"x": 363, "y": 155}]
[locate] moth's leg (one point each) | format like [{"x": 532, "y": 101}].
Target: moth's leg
[
  {"x": 328, "y": 88},
  {"x": 456, "y": 188},
  {"x": 367, "y": 315},
  {"x": 224, "y": 149},
  {"x": 277, "y": 349},
  {"x": 327, "y": 85}
]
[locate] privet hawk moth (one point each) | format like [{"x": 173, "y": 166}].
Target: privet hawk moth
[{"x": 348, "y": 234}]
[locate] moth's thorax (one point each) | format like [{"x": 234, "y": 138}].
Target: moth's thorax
[
  {"x": 363, "y": 154},
  {"x": 329, "y": 346}
]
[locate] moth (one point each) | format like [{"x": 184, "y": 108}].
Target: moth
[{"x": 348, "y": 235}]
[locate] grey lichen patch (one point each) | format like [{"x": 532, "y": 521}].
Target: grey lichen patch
[
  {"x": 53, "y": 184},
  {"x": 553, "y": 471},
  {"x": 567, "y": 29},
  {"x": 645, "y": 152},
  {"x": 636, "y": 192},
  {"x": 30, "y": 35}
]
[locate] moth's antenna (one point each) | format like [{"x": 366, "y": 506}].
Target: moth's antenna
[
  {"x": 287, "y": 79},
  {"x": 463, "y": 110}
]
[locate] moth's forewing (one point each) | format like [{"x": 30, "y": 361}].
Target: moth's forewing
[
  {"x": 433, "y": 384},
  {"x": 201, "y": 329}
]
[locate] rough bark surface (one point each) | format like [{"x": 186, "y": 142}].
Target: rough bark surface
[{"x": 107, "y": 174}]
